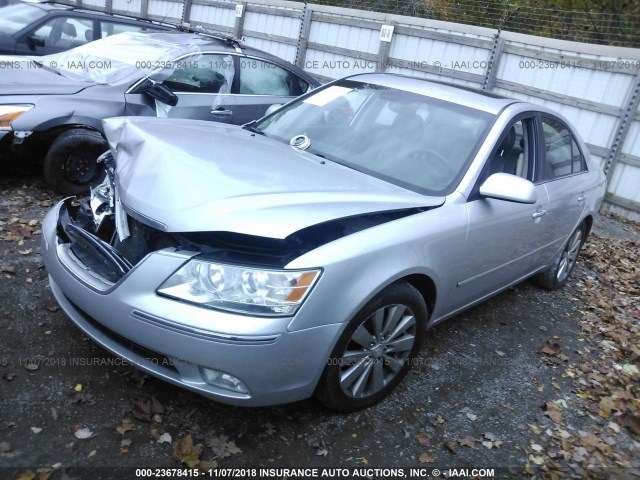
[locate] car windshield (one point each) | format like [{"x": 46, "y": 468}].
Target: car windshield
[
  {"x": 123, "y": 57},
  {"x": 15, "y": 17},
  {"x": 412, "y": 140}
]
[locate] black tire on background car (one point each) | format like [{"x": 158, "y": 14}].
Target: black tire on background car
[
  {"x": 375, "y": 351},
  {"x": 556, "y": 276},
  {"x": 70, "y": 166}
]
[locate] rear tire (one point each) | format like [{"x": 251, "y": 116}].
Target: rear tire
[
  {"x": 375, "y": 351},
  {"x": 70, "y": 166},
  {"x": 556, "y": 276}
]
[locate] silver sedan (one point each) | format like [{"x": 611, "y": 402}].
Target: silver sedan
[{"x": 308, "y": 252}]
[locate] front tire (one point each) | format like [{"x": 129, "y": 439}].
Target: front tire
[
  {"x": 70, "y": 166},
  {"x": 556, "y": 276},
  {"x": 375, "y": 351}
]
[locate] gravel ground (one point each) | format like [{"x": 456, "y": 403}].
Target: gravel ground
[{"x": 482, "y": 396}]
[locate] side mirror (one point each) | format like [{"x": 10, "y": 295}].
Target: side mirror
[
  {"x": 34, "y": 42},
  {"x": 510, "y": 188},
  {"x": 161, "y": 93},
  {"x": 273, "y": 108}
]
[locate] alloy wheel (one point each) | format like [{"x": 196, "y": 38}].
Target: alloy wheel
[
  {"x": 569, "y": 256},
  {"x": 377, "y": 350}
]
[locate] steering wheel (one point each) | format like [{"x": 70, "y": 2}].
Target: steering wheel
[{"x": 434, "y": 162}]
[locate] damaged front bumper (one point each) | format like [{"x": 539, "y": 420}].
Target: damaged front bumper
[{"x": 232, "y": 358}]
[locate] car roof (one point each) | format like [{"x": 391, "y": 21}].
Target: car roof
[
  {"x": 459, "y": 94},
  {"x": 60, "y": 7},
  {"x": 206, "y": 40}
]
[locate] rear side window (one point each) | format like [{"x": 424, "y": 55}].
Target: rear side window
[
  {"x": 562, "y": 156},
  {"x": 112, "y": 28},
  {"x": 265, "y": 78}
]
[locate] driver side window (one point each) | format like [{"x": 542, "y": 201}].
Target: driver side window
[
  {"x": 207, "y": 73},
  {"x": 65, "y": 32},
  {"x": 513, "y": 153}
]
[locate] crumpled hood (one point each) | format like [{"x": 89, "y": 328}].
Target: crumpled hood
[
  {"x": 22, "y": 77},
  {"x": 192, "y": 175}
]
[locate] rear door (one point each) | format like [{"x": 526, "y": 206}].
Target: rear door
[
  {"x": 563, "y": 172},
  {"x": 262, "y": 84}
]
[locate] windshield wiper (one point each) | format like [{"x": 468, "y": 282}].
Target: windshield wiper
[{"x": 249, "y": 126}]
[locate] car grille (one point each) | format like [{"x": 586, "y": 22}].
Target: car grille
[{"x": 136, "y": 246}]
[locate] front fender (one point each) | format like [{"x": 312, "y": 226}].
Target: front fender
[{"x": 358, "y": 266}]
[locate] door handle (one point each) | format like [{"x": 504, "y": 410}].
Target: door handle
[
  {"x": 581, "y": 198},
  {"x": 222, "y": 112},
  {"x": 539, "y": 213}
]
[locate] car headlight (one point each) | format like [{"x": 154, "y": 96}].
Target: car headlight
[
  {"x": 9, "y": 113},
  {"x": 240, "y": 289}
]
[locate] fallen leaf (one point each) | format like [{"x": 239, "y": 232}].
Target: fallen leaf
[
  {"x": 146, "y": 409},
  {"x": 83, "y": 433},
  {"x": 125, "y": 443},
  {"x": 536, "y": 460},
  {"x": 186, "y": 452},
  {"x": 423, "y": 439},
  {"x": 92, "y": 453},
  {"x": 467, "y": 442},
  {"x": 554, "y": 412},
  {"x": 590, "y": 441},
  {"x": 78, "y": 387},
  {"x": 142, "y": 410},
  {"x": 222, "y": 447},
  {"x": 451, "y": 447},
  {"x": 126, "y": 426},
  {"x": 605, "y": 406},
  {"x": 425, "y": 458},
  {"x": 232, "y": 448},
  {"x": 631, "y": 422},
  {"x": 25, "y": 252},
  {"x": 614, "y": 426}
]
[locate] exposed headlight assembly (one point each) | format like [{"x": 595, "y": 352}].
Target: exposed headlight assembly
[
  {"x": 9, "y": 113},
  {"x": 234, "y": 288}
]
